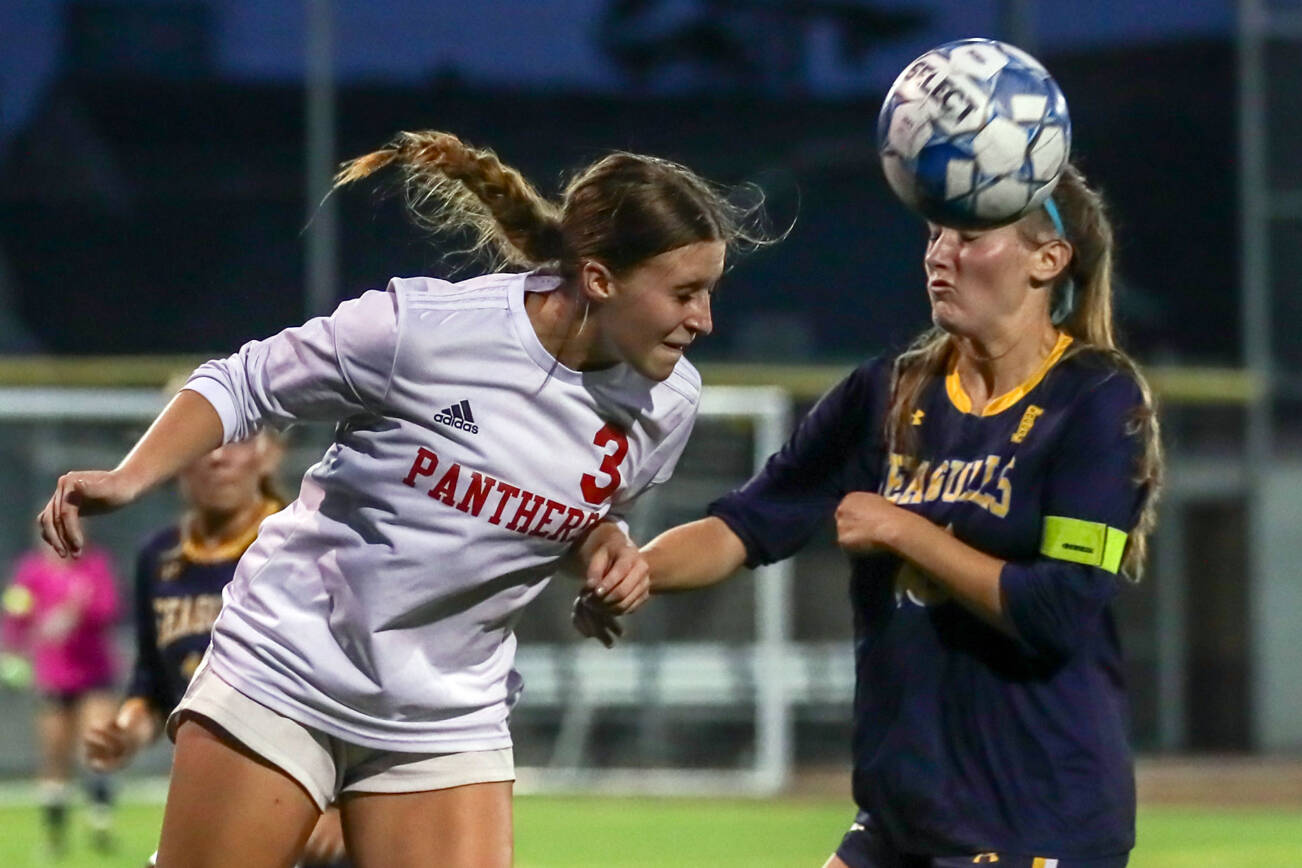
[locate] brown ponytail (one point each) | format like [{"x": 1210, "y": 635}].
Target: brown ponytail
[
  {"x": 621, "y": 210},
  {"x": 451, "y": 185}
]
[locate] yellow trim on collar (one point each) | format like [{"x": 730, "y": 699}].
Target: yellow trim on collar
[
  {"x": 959, "y": 397},
  {"x": 196, "y": 552},
  {"x": 1083, "y": 542}
]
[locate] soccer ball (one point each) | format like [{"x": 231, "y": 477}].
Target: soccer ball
[{"x": 974, "y": 134}]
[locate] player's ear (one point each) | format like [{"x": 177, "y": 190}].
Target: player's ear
[
  {"x": 596, "y": 283},
  {"x": 1050, "y": 259}
]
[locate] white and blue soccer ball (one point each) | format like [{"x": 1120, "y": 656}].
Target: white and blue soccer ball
[{"x": 974, "y": 134}]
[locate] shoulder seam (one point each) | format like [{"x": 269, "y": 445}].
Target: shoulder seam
[{"x": 689, "y": 387}]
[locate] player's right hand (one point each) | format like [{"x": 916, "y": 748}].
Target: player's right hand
[
  {"x": 109, "y": 746},
  {"x": 81, "y": 492}
]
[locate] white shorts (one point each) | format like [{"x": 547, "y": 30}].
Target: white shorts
[{"x": 327, "y": 766}]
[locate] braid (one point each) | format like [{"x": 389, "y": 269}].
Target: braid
[{"x": 451, "y": 186}]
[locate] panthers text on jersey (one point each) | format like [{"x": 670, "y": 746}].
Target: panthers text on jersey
[{"x": 379, "y": 605}]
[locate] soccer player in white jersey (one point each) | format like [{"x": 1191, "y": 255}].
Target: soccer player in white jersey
[{"x": 486, "y": 431}]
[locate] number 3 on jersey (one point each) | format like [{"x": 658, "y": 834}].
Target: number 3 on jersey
[{"x": 595, "y": 492}]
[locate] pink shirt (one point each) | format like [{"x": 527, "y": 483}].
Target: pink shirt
[{"x": 61, "y": 614}]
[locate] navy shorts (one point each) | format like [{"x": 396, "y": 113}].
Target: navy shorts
[{"x": 864, "y": 846}]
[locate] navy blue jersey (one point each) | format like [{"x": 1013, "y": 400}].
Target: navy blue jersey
[
  {"x": 968, "y": 740},
  {"x": 178, "y": 593}
]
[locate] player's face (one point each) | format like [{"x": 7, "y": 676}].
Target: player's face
[
  {"x": 228, "y": 478},
  {"x": 978, "y": 280},
  {"x": 660, "y": 306}
]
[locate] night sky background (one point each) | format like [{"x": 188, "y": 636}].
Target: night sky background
[{"x": 151, "y": 168}]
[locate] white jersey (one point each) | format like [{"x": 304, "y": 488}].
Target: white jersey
[{"x": 379, "y": 605}]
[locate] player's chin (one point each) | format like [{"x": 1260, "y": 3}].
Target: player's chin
[
  {"x": 945, "y": 316},
  {"x": 659, "y": 363}
]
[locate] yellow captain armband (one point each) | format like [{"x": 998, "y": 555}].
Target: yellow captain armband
[
  {"x": 18, "y": 601},
  {"x": 1083, "y": 542}
]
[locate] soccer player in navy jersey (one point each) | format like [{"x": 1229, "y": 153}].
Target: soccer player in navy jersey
[
  {"x": 992, "y": 484},
  {"x": 487, "y": 433}
]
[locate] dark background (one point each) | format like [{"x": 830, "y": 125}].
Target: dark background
[{"x": 151, "y": 201}]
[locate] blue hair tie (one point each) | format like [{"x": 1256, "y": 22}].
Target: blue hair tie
[
  {"x": 1065, "y": 302},
  {"x": 1051, "y": 208}
]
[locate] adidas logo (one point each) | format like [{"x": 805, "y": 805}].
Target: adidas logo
[{"x": 458, "y": 416}]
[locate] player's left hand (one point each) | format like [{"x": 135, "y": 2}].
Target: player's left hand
[
  {"x": 614, "y": 569},
  {"x": 594, "y": 619},
  {"x": 326, "y": 843},
  {"x": 867, "y": 522}
]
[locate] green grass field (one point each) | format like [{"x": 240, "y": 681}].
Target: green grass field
[{"x": 553, "y": 832}]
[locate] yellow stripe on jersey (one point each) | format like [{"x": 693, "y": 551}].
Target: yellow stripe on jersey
[
  {"x": 1083, "y": 542},
  {"x": 1041, "y": 862}
]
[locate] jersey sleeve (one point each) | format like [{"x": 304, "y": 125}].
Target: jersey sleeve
[
  {"x": 328, "y": 369},
  {"x": 836, "y": 448},
  {"x": 148, "y": 679},
  {"x": 1091, "y": 501}
]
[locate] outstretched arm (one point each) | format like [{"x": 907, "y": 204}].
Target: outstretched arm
[
  {"x": 187, "y": 428},
  {"x": 693, "y": 555},
  {"x": 685, "y": 557},
  {"x": 327, "y": 369}
]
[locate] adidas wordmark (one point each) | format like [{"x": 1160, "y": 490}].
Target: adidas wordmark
[{"x": 458, "y": 416}]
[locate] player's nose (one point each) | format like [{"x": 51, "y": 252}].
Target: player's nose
[
  {"x": 940, "y": 250},
  {"x": 700, "y": 319}
]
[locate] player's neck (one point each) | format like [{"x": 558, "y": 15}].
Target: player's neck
[
  {"x": 998, "y": 364},
  {"x": 566, "y": 328},
  {"x": 211, "y": 528}
]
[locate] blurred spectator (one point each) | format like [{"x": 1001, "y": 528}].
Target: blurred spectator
[{"x": 58, "y": 617}]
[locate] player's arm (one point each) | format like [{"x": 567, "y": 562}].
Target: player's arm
[
  {"x": 113, "y": 744},
  {"x": 866, "y": 522},
  {"x": 187, "y": 428},
  {"x": 1047, "y": 601},
  {"x": 689, "y": 556},
  {"x": 1091, "y": 500},
  {"x": 693, "y": 555},
  {"x": 774, "y": 514},
  {"x": 328, "y": 369}
]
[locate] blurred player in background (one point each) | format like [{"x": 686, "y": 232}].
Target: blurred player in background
[
  {"x": 988, "y": 483},
  {"x": 58, "y": 633},
  {"x": 180, "y": 575},
  {"x": 485, "y": 431}
]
